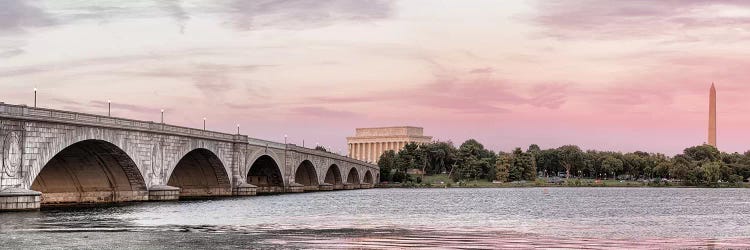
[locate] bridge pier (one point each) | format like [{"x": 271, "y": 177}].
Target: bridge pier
[
  {"x": 244, "y": 189},
  {"x": 295, "y": 188},
  {"x": 326, "y": 187},
  {"x": 350, "y": 186},
  {"x": 163, "y": 193},
  {"x": 17, "y": 199}
]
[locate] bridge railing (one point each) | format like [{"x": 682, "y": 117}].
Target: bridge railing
[
  {"x": 296, "y": 148},
  {"x": 265, "y": 143},
  {"x": 43, "y": 114}
]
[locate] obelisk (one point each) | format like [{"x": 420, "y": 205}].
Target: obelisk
[{"x": 712, "y": 117}]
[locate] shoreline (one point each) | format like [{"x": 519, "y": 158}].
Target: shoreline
[{"x": 534, "y": 185}]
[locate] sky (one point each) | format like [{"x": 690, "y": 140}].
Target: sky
[{"x": 601, "y": 74}]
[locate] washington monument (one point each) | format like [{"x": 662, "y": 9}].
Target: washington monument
[{"x": 712, "y": 117}]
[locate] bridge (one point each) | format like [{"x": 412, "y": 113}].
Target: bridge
[{"x": 53, "y": 157}]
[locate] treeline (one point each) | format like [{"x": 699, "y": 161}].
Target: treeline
[{"x": 699, "y": 165}]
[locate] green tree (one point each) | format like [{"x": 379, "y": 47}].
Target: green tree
[
  {"x": 502, "y": 168},
  {"x": 711, "y": 172},
  {"x": 474, "y": 162},
  {"x": 387, "y": 164},
  {"x": 611, "y": 165},
  {"x": 523, "y": 166},
  {"x": 569, "y": 157},
  {"x": 703, "y": 153}
]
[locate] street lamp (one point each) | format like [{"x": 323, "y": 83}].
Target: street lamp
[
  {"x": 238, "y": 128},
  {"x": 35, "y": 97},
  {"x": 204, "y": 123},
  {"x": 285, "y": 137},
  {"x": 109, "y": 107},
  {"x": 162, "y": 116}
]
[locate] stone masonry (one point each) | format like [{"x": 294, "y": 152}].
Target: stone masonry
[{"x": 55, "y": 157}]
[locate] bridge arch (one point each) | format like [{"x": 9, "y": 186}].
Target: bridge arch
[
  {"x": 200, "y": 173},
  {"x": 89, "y": 171},
  {"x": 333, "y": 177},
  {"x": 266, "y": 174},
  {"x": 353, "y": 176},
  {"x": 307, "y": 176},
  {"x": 368, "y": 178}
]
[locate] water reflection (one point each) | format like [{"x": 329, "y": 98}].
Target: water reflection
[{"x": 392, "y": 218}]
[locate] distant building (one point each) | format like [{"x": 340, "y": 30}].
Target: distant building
[{"x": 369, "y": 143}]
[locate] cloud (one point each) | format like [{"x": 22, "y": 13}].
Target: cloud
[
  {"x": 124, "y": 106},
  {"x": 486, "y": 70},
  {"x": 463, "y": 96},
  {"x": 174, "y": 9},
  {"x": 611, "y": 19},
  {"x": 16, "y": 15},
  {"x": 321, "y": 112},
  {"x": 297, "y": 14},
  {"x": 11, "y": 52}
]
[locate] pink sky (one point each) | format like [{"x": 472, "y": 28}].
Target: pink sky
[{"x": 606, "y": 75}]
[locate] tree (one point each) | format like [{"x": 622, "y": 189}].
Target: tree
[
  {"x": 548, "y": 161},
  {"x": 711, "y": 172},
  {"x": 502, "y": 168},
  {"x": 662, "y": 170},
  {"x": 569, "y": 156},
  {"x": 704, "y": 153},
  {"x": 523, "y": 166},
  {"x": 409, "y": 157},
  {"x": 387, "y": 164},
  {"x": 474, "y": 162},
  {"x": 611, "y": 165},
  {"x": 321, "y": 148},
  {"x": 534, "y": 149},
  {"x": 681, "y": 167}
]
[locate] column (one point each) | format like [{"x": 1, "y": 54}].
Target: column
[
  {"x": 356, "y": 150},
  {"x": 372, "y": 151},
  {"x": 367, "y": 152},
  {"x": 382, "y": 149},
  {"x": 361, "y": 152},
  {"x": 372, "y": 147}
]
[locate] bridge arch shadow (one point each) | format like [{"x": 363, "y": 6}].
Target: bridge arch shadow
[
  {"x": 90, "y": 171},
  {"x": 266, "y": 174},
  {"x": 333, "y": 177},
  {"x": 353, "y": 177},
  {"x": 200, "y": 173},
  {"x": 368, "y": 178},
  {"x": 307, "y": 176}
]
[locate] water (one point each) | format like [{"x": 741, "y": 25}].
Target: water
[{"x": 394, "y": 218}]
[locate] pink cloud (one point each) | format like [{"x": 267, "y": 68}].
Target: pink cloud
[{"x": 611, "y": 19}]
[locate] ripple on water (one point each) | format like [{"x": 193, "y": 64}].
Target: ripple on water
[{"x": 427, "y": 218}]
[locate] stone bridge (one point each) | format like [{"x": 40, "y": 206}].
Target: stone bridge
[{"x": 53, "y": 157}]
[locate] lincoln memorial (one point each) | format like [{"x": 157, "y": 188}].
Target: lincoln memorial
[{"x": 369, "y": 143}]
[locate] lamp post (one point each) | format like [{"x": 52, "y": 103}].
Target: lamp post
[
  {"x": 285, "y": 137},
  {"x": 204, "y": 123},
  {"x": 35, "y": 97},
  {"x": 109, "y": 107},
  {"x": 238, "y": 128},
  {"x": 162, "y": 116}
]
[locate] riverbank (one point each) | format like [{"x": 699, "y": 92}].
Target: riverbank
[{"x": 443, "y": 181}]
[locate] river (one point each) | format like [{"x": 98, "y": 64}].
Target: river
[{"x": 394, "y": 218}]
